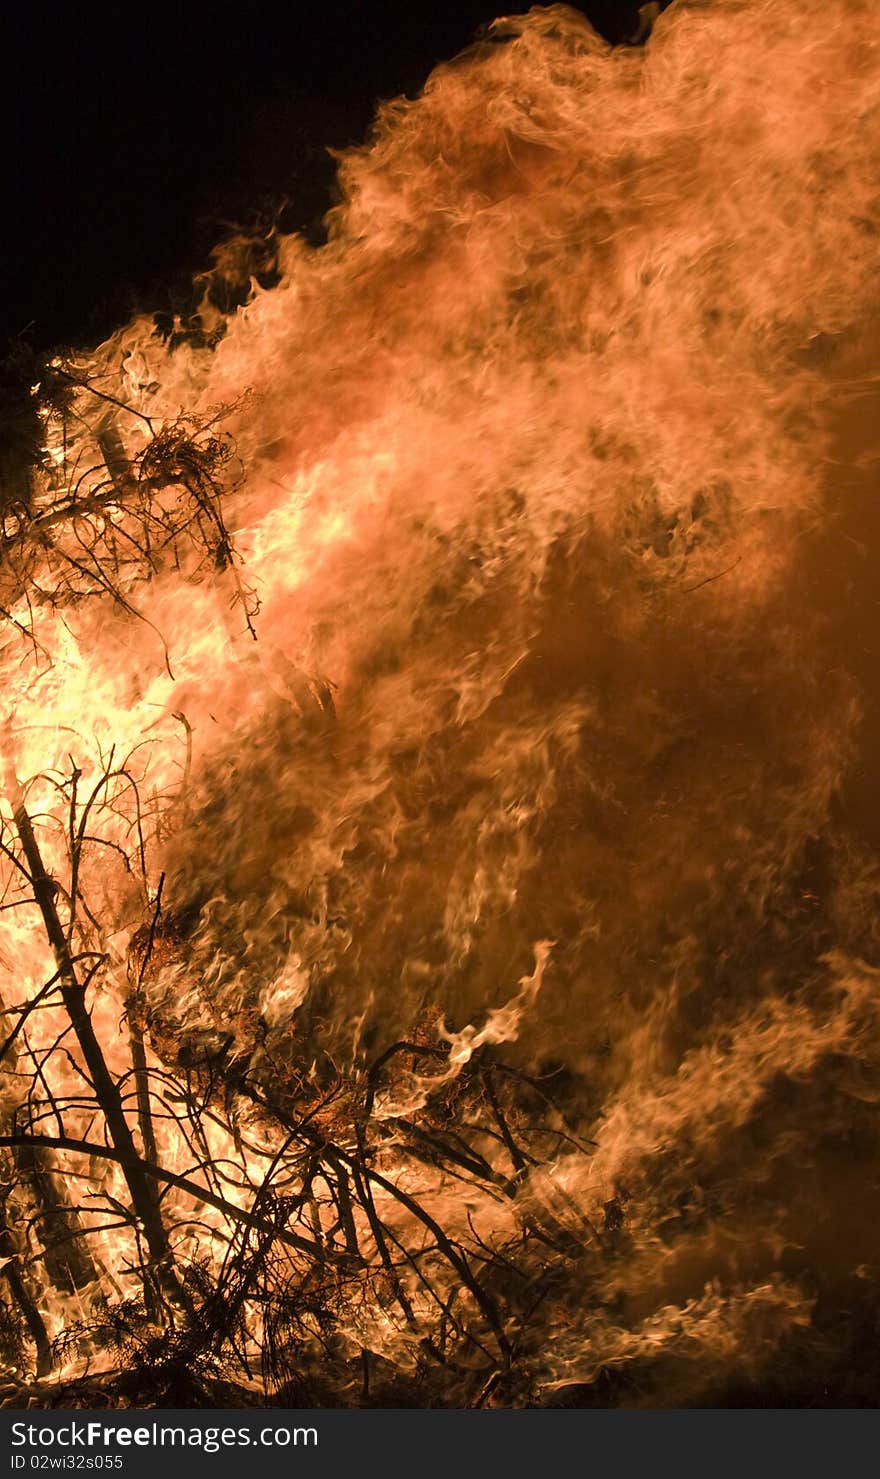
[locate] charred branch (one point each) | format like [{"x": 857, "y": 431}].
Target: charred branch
[{"x": 73, "y": 995}]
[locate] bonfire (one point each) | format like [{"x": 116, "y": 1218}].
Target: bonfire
[{"x": 439, "y": 898}]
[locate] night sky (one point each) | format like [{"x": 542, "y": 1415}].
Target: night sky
[{"x": 132, "y": 139}]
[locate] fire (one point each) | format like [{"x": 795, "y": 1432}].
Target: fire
[{"x": 467, "y": 591}]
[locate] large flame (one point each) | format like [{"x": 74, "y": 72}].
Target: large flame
[{"x": 548, "y": 464}]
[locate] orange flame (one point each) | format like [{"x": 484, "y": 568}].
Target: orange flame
[{"x": 542, "y": 464}]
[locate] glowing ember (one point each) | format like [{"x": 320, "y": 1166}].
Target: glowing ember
[{"x": 432, "y": 752}]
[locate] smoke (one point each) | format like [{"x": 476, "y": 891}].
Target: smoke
[{"x": 551, "y": 466}]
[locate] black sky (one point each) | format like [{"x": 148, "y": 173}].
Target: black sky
[{"x": 131, "y": 135}]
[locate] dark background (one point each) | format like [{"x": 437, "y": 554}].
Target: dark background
[{"x": 132, "y": 137}]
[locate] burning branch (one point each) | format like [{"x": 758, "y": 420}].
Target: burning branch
[
  {"x": 73, "y": 995},
  {"x": 117, "y": 521}
]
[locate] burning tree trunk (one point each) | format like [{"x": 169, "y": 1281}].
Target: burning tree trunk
[
  {"x": 59, "y": 1227},
  {"x": 14, "y": 1255}
]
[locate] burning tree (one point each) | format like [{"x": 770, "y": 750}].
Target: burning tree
[
  {"x": 251, "y": 1219},
  {"x": 426, "y": 929}
]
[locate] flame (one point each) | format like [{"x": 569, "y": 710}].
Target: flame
[{"x": 524, "y": 631}]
